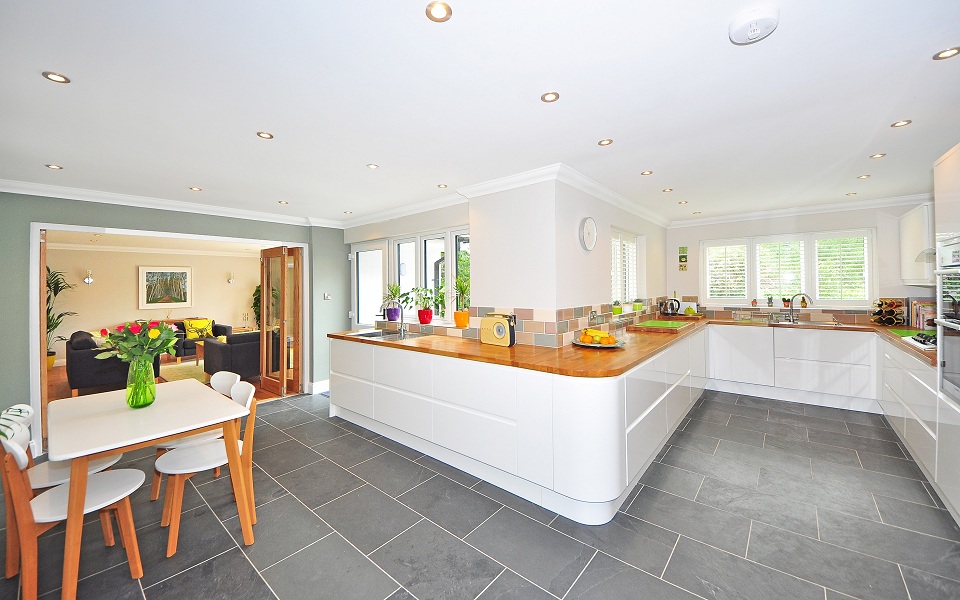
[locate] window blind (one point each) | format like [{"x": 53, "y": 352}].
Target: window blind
[
  {"x": 779, "y": 268},
  {"x": 623, "y": 267},
  {"x": 726, "y": 271},
  {"x": 842, "y": 268}
]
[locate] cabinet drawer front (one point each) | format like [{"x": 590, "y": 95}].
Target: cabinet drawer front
[
  {"x": 849, "y": 347},
  {"x": 352, "y": 394},
  {"x": 743, "y": 354},
  {"x": 948, "y": 453},
  {"x": 404, "y": 411},
  {"x": 920, "y": 399},
  {"x": 352, "y": 358},
  {"x": 678, "y": 402},
  {"x": 480, "y": 386},
  {"x": 404, "y": 370},
  {"x": 923, "y": 446},
  {"x": 484, "y": 438},
  {"x": 829, "y": 378},
  {"x": 645, "y": 385},
  {"x": 893, "y": 408},
  {"x": 645, "y": 437}
]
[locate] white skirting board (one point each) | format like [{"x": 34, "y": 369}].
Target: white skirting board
[
  {"x": 799, "y": 396},
  {"x": 317, "y": 387}
]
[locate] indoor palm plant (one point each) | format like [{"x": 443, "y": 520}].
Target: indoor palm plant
[
  {"x": 423, "y": 300},
  {"x": 139, "y": 343},
  {"x": 462, "y": 315},
  {"x": 56, "y": 284},
  {"x": 392, "y": 297}
]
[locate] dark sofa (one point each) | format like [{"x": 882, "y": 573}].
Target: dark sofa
[
  {"x": 187, "y": 347},
  {"x": 84, "y": 370},
  {"x": 240, "y": 354}
]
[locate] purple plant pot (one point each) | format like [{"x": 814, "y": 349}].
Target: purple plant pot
[{"x": 393, "y": 314}]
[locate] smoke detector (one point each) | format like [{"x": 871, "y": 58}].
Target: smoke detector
[{"x": 751, "y": 26}]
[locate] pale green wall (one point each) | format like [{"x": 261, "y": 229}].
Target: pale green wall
[{"x": 328, "y": 265}]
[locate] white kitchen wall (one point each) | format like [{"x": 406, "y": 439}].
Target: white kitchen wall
[{"x": 885, "y": 220}]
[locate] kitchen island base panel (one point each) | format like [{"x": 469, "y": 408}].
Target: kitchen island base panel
[
  {"x": 587, "y": 513},
  {"x": 798, "y": 396}
]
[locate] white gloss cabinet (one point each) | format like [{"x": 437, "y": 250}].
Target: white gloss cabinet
[
  {"x": 948, "y": 454},
  {"x": 917, "y": 246},
  {"x": 742, "y": 354},
  {"x": 909, "y": 401},
  {"x": 830, "y": 362}
]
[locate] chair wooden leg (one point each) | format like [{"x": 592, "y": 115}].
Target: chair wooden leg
[
  {"x": 28, "y": 565},
  {"x": 168, "y": 501},
  {"x": 216, "y": 472},
  {"x": 107, "y": 525},
  {"x": 155, "y": 484},
  {"x": 176, "y": 506},
  {"x": 13, "y": 540},
  {"x": 128, "y": 533}
]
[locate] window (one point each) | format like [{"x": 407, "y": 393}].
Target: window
[
  {"x": 624, "y": 272},
  {"x": 462, "y": 245},
  {"x": 434, "y": 271},
  {"x": 832, "y": 268}
]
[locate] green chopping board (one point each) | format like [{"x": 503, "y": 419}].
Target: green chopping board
[{"x": 904, "y": 332}]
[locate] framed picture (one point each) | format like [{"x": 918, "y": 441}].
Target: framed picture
[{"x": 165, "y": 287}]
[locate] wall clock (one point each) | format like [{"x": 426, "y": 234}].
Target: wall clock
[{"x": 588, "y": 233}]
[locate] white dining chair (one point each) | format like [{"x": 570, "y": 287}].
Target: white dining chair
[
  {"x": 41, "y": 476},
  {"x": 109, "y": 490},
  {"x": 222, "y": 381},
  {"x": 180, "y": 464}
]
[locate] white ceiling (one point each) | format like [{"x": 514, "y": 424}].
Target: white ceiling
[{"x": 167, "y": 95}]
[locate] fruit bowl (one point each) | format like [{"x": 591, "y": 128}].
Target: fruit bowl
[{"x": 618, "y": 344}]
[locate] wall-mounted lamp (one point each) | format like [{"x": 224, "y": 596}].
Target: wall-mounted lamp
[
  {"x": 230, "y": 279},
  {"x": 89, "y": 278}
]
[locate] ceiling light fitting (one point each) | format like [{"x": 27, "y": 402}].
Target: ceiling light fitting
[
  {"x": 682, "y": 202},
  {"x": 89, "y": 278},
  {"x": 196, "y": 189},
  {"x": 550, "y": 97},
  {"x": 878, "y": 155},
  {"x": 284, "y": 202},
  {"x": 863, "y": 177},
  {"x": 948, "y": 53},
  {"x": 751, "y": 26},
  {"x": 646, "y": 172},
  {"x": 438, "y": 12},
  {"x": 903, "y": 123},
  {"x": 668, "y": 189},
  {"x": 264, "y": 135},
  {"x": 56, "y": 77},
  {"x": 230, "y": 278},
  {"x": 373, "y": 167},
  {"x": 54, "y": 167},
  {"x": 605, "y": 142},
  {"x": 851, "y": 193},
  {"x": 696, "y": 212},
  {"x": 442, "y": 186},
  {"x": 348, "y": 212}
]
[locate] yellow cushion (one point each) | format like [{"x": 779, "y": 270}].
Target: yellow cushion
[
  {"x": 222, "y": 338},
  {"x": 198, "y": 328}
]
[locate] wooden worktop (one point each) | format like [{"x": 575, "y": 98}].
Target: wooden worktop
[{"x": 577, "y": 361}]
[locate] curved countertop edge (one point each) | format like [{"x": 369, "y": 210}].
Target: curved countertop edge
[{"x": 576, "y": 361}]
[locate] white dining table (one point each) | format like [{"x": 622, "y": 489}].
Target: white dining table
[{"x": 84, "y": 428}]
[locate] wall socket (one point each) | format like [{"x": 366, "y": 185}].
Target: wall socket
[{"x": 327, "y": 296}]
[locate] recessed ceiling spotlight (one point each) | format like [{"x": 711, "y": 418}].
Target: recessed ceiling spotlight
[
  {"x": 550, "y": 97},
  {"x": 668, "y": 189},
  {"x": 863, "y": 177},
  {"x": 851, "y": 193},
  {"x": 348, "y": 212},
  {"x": 438, "y": 12},
  {"x": 948, "y": 53},
  {"x": 56, "y": 77},
  {"x": 696, "y": 212},
  {"x": 373, "y": 167},
  {"x": 878, "y": 155},
  {"x": 196, "y": 189},
  {"x": 682, "y": 202},
  {"x": 284, "y": 202},
  {"x": 442, "y": 186},
  {"x": 646, "y": 172},
  {"x": 54, "y": 167},
  {"x": 903, "y": 123},
  {"x": 264, "y": 135},
  {"x": 605, "y": 142}
]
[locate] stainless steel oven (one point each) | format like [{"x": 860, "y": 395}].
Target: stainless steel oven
[{"x": 948, "y": 318}]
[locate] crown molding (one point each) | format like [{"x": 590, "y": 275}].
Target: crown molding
[
  {"x": 570, "y": 176},
  {"x": 40, "y": 189},
  {"x": 806, "y": 210},
  {"x": 146, "y": 250},
  {"x": 410, "y": 209}
]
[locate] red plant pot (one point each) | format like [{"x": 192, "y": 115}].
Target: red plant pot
[{"x": 425, "y": 316}]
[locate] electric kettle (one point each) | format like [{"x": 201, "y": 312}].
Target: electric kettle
[{"x": 670, "y": 307}]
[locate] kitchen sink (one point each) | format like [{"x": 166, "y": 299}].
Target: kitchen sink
[{"x": 386, "y": 336}]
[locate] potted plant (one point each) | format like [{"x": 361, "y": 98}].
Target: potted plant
[
  {"x": 637, "y": 304},
  {"x": 423, "y": 300},
  {"x": 56, "y": 284},
  {"x": 462, "y": 315},
  {"x": 617, "y": 309},
  {"x": 392, "y": 297}
]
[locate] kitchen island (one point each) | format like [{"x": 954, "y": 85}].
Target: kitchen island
[{"x": 570, "y": 429}]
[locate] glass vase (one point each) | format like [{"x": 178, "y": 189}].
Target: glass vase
[{"x": 141, "y": 382}]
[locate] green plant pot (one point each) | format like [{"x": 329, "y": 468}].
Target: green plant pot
[
  {"x": 638, "y": 306},
  {"x": 617, "y": 310}
]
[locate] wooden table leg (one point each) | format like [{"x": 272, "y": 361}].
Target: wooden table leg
[
  {"x": 71, "y": 547},
  {"x": 231, "y": 438}
]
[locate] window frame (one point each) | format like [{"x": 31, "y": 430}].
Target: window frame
[
  {"x": 810, "y": 280},
  {"x": 640, "y": 268}
]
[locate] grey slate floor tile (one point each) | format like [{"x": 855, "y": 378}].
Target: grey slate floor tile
[
  {"x": 779, "y": 405},
  {"x": 840, "y": 569},
  {"x": 392, "y": 473},
  {"x": 349, "y": 450},
  {"x": 284, "y": 526},
  {"x": 841, "y": 456},
  {"x": 284, "y": 457},
  {"x": 857, "y": 443},
  {"x": 671, "y": 479},
  {"x": 776, "y": 510},
  {"x": 315, "y": 432},
  {"x": 873, "y": 432},
  {"x": 879, "y": 483},
  {"x": 851, "y": 500},
  {"x": 721, "y": 529},
  {"x": 685, "y": 439},
  {"x": 807, "y": 421},
  {"x": 448, "y": 471},
  {"x": 285, "y": 419},
  {"x": 715, "y": 430},
  {"x": 850, "y": 416},
  {"x": 114, "y": 583},
  {"x": 524, "y": 507},
  {"x": 926, "y": 585},
  {"x": 900, "y": 467},
  {"x": 450, "y": 505},
  {"x": 367, "y": 518},
  {"x": 404, "y": 451},
  {"x": 319, "y": 483},
  {"x": 790, "y": 432},
  {"x": 510, "y": 586},
  {"x": 720, "y": 467},
  {"x": 431, "y": 563},
  {"x": 228, "y": 575},
  {"x": 712, "y": 573},
  {"x": 218, "y": 494},
  {"x": 635, "y": 542},
  {"x": 267, "y": 435},
  {"x": 769, "y": 458},
  {"x": 918, "y": 517},
  {"x": 606, "y": 578},
  {"x": 541, "y": 554}
]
